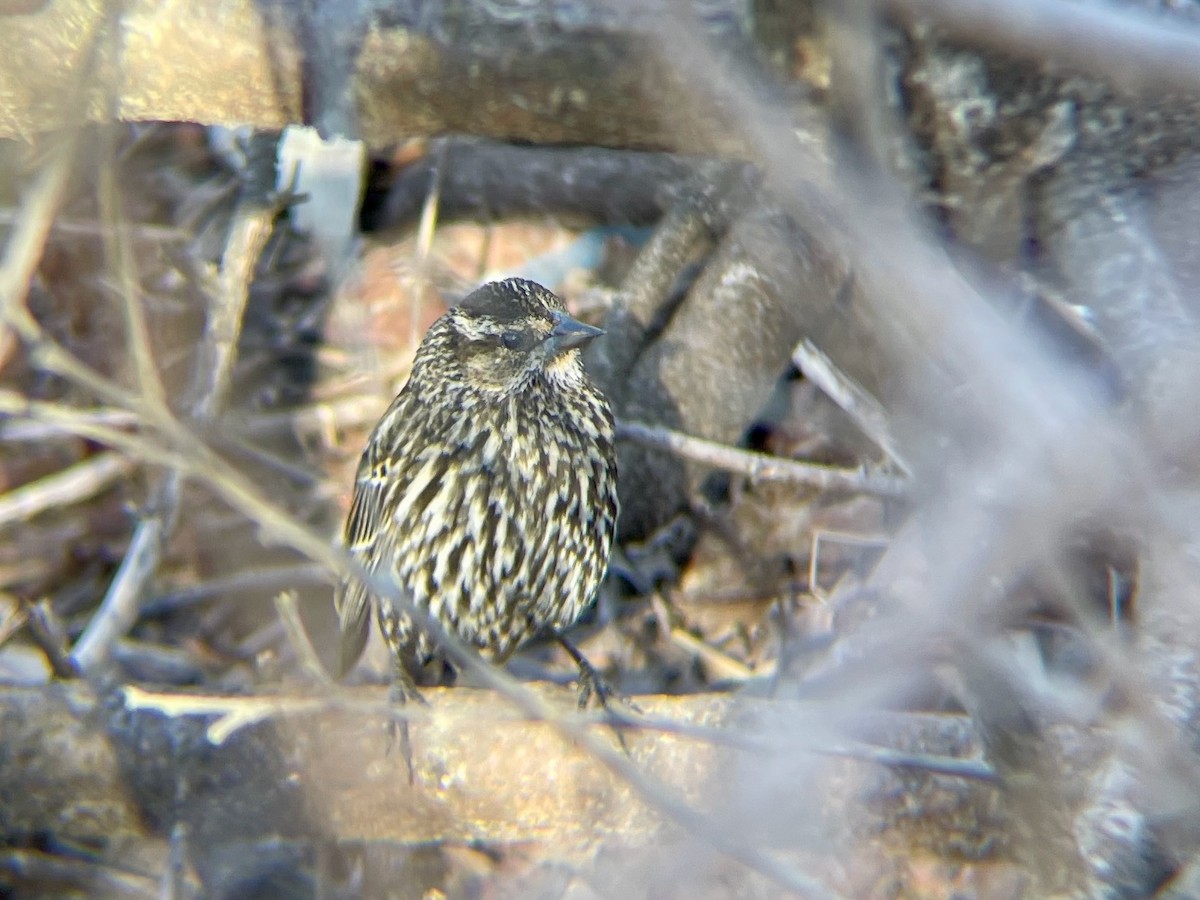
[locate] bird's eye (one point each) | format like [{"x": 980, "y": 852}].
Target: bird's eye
[{"x": 513, "y": 340}]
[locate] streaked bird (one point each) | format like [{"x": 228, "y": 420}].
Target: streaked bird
[{"x": 488, "y": 491}]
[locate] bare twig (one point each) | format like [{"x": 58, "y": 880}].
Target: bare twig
[
  {"x": 51, "y": 638},
  {"x": 65, "y": 419},
  {"x": 119, "y": 252},
  {"x": 297, "y": 635},
  {"x": 350, "y": 412},
  {"x": 174, "y": 876},
  {"x": 233, "y": 713},
  {"x": 294, "y": 471},
  {"x": 760, "y": 466},
  {"x": 156, "y": 663},
  {"x": 972, "y": 769},
  {"x": 859, "y": 405},
  {"x": 861, "y": 541},
  {"x": 81, "y": 481},
  {"x": 266, "y": 637},
  {"x": 35, "y": 432},
  {"x": 275, "y": 577},
  {"x": 723, "y": 666},
  {"x": 21, "y": 256},
  {"x": 119, "y": 610},
  {"x": 17, "y": 619},
  {"x": 430, "y": 209},
  {"x": 27, "y": 241},
  {"x": 89, "y": 228},
  {"x": 248, "y": 235},
  {"x": 51, "y": 357}
]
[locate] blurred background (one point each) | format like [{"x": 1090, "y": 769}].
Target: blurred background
[{"x": 902, "y": 339}]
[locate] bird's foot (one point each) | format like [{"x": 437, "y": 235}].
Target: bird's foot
[
  {"x": 593, "y": 685},
  {"x": 403, "y": 691}
]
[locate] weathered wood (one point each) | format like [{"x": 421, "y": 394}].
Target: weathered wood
[
  {"x": 98, "y": 770},
  {"x": 582, "y": 72}
]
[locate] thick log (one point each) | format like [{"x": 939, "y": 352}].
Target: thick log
[
  {"x": 580, "y": 72},
  {"x": 138, "y": 764}
]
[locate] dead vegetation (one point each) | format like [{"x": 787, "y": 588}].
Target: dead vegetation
[{"x": 903, "y": 340}]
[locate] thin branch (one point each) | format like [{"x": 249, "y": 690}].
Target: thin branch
[
  {"x": 232, "y": 713},
  {"x": 267, "y": 636},
  {"x": 92, "y": 228},
  {"x": 49, "y": 356},
  {"x": 36, "y": 432},
  {"x": 723, "y": 666},
  {"x": 297, "y": 635},
  {"x": 761, "y": 466},
  {"x": 119, "y": 609},
  {"x": 121, "y": 606},
  {"x": 357, "y": 411},
  {"x": 75, "y": 484},
  {"x": 156, "y": 663},
  {"x": 273, "y": 578},
  {"x": 119, "y": 253},
  {"x": 25, "y": 245},
  {"x": 248, "y": 235},
  {"x": 175, "y": 883},
  {"x": 50, "y": 636},
  {"x": 64, "y": 419},
  {"x": 851, "y": 397},
  {"x": 971, "y": 769},
  {"x": 17, "y": 619}
]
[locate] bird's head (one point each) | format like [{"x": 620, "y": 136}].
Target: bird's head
[{"x": 507, "y": 332}]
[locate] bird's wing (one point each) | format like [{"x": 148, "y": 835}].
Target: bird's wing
[{"x": 374, "y": 482}]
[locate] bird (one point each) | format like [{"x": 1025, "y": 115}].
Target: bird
[{"x": 487, "y": 492}]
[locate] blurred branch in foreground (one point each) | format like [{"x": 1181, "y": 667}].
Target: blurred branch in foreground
[{"x": 911, "y": 298}]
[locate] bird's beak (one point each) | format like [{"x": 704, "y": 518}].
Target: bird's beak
[{"x": 568, "y": 334}]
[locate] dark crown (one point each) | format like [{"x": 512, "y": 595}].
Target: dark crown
[{"x": 512, "y": 299}]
